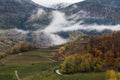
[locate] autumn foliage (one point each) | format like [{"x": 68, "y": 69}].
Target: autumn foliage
[
  {"x": 2, "y": 54},
  {"x": 21, "y": 48},
  {"x": 100, "y": 54}
]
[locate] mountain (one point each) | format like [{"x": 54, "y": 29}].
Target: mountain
[
  {"x": 27, "y": 15},
  {"x": 91, "y": 17},
  {"x": 15, "y": 13},
  {"x": 59, "y": 5},
  {"x": 102, "y": 12},
  {"x": 47, "y": 26}
]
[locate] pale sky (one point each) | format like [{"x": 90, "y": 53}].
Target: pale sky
[{"x": 50, "y": 2}]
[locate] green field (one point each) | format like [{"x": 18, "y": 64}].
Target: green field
[{"x": 36, "y": 65}]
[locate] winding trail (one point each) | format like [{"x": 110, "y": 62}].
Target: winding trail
[
  {"x": 57, "y": 71},
  {"x": 16, "y": 74},
  {"x": 51, "y": 59}
]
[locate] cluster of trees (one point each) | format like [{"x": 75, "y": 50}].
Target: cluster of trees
[
  {"x": 13, "y": 47},
  {"x": 81, "y": 63},
  {"x": 101, "y": 53},
  {"x": 21, "y": 48},
  {"x": 107, "y": 48}
]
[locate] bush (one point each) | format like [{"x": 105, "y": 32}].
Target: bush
[
  {"x": 2, "y": 54},
  {"x": 118, "y": 76},
  {"x": 111, "y": 75}
]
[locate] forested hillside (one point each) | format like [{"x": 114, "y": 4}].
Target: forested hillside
[
  {"x": 100, "y": 53},
  {"x": 16, "y": 13},
  {"x": 13, "y": 42},
  {"x": 102, "y": 12}
]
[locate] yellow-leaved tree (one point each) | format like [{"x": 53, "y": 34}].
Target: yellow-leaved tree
[{"x": 111, "y": 75}]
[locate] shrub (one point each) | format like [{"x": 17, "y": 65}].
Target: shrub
[
  {"x": 111, "y": 75},
  {"x": 2, "y": 54},
  {"x": 118, "y": 76}
]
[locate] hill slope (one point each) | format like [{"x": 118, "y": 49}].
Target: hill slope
[
  {"x": 95, "y": 11},
  {"x": 15, "y": 13}
]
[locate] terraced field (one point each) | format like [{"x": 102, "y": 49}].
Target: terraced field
[{"x": 37, "y": 65}]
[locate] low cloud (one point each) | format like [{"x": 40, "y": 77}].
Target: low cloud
[
  {"x": 21, "y": 31},
  {"x": 48, "y": 36},
  {"x": 60, "y": 23},
  {"x": 37, "y": 15}
]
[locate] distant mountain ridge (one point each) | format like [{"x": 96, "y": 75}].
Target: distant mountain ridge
[
  {"x": 53, "y": 26},
  {"x": 15, "y": 13},
  {"x": 102, "y": 12}
]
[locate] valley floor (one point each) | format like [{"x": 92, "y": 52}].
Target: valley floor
[{"x": 38, "y": 65}]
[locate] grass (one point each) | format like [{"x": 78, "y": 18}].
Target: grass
[
  {"x": 79, "y": 76},
  {"x": 35, "y": 65}
]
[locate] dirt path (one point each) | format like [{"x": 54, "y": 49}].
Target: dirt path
[
  {"x": 57, "y": 71},
  {"x": 16, "y": 74}
]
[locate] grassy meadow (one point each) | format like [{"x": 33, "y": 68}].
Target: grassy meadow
[{"x": 36, "y": 65}]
